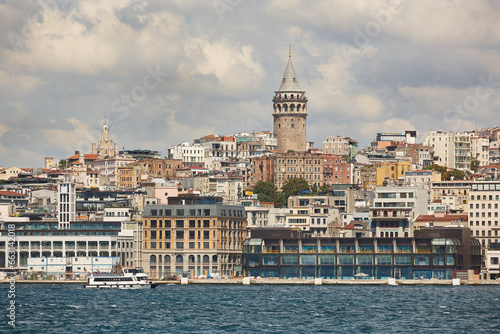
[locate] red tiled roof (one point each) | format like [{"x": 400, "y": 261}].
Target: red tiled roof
[
  {"x": 86, "y": 156},
  {"x": 11, "y": 193},
  {"x": 445, "y": 218}
]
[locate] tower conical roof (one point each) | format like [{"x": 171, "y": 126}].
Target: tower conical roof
[{"x": 290, "y": 81}]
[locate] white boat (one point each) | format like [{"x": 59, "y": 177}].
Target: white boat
[{"x": 129, "y": 279}]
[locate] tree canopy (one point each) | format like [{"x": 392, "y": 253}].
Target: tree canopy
[{"x": 446, "y": 175}]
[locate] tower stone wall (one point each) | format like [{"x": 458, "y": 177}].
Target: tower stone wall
[{"x": 290, "y": 112}]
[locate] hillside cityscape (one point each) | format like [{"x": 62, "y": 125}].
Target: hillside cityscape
[{"x": 261, "y": 204}]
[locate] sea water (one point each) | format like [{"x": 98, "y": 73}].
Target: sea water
[{"x": 210, "y": 308}]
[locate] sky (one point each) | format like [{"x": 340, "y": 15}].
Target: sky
[{"x": 167, "y": 72}]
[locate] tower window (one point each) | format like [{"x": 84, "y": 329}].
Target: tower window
[
  {"x": 293, "y": 126},
  {"x": 286, "y": 107},
  {"x": 291, "y": 107}
]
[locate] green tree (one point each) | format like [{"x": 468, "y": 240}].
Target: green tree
[
  {"x": 294, "y": 186},
  {"x": 474, "y": 163},
  {"x": 446, "y": 174},
  {"x": 63, "y": 164},
  {"x": 325, "y": 188},
  {"x": 266, "y": 191}
]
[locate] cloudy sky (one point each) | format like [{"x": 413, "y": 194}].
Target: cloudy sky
[{"x": 165, "y": 72}]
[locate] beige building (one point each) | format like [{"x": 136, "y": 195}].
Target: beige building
[
  {"x": 299, "y": 165},
  {"x": 452, "y": 193},
  {"x": 193, "y": 239}
]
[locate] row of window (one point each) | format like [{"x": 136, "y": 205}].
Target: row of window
[
  {"x": 485, "y": 197},
  {"x": 255, "y": 260}
]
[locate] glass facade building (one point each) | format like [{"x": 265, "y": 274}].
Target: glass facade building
[{"x": 291, "y": 253}]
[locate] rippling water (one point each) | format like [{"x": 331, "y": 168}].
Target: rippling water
[{"x": 45, "y": 308}]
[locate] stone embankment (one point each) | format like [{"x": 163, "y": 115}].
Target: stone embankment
[{"x": 270, "y": 281}]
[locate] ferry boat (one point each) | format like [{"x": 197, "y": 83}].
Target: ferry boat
[{"x": 129, "y": 279}]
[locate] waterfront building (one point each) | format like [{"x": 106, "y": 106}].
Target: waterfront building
[
  {"x": 291, "y": 253},
  {"x": 69, "y": 267},
  {"x": 290, "y": 112},
  {"x": 194, "y": 236},
  {"x": 44, "y": 238},
  {"x": 483, "y": 204}
]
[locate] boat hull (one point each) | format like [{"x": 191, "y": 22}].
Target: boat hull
[{"x": 121, "y": 286}]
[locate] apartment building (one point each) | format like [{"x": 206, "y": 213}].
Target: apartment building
[
  {"x": 191, "y": 155},
  {"x": 483, "y": 205},
  {"x": 394, "y": 208},
  {"x": 336, "y": 170},
  {"x": 338, "y": 145},
  {"x": 421, "y": 178},
  {"x": 299, "y": 165},
  {"x": 195, "y": 236},
  {"x": 451, "y": 149},
  {"x": 454, "y": 194}
]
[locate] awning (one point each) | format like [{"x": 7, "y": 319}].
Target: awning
[{"x": 255, "y": 242}]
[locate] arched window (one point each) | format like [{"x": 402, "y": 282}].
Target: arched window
[
  {"x": 406, "y": 234},
  {"x": 291, "y": 107},
  {"x": 179, "y": 259},
  {"x": 214, "y": 259},
  {"x": 166, "y": 259},
  {"x": 385, "y": 213},
  {"x": 293, "y": 126},
  {"x": 396, "y": 234},
  {"x": 285, "y": 96},
  {"x": 206, "y": 259},
  {"x": 392, "y": 235},
  {"x": 152, "y": 259},
  {"x": 292, "y": 96},
  {"x": 286, "y": 107},
  {"x": 394, "y": 213},
  {"x": 191, "y": 259}
]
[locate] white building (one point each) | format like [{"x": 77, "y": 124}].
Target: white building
[
  {"x": 67, "y": 204},
  {"x": 191, "y": 155},
  {"x": 480, "y": 149},
  {"x": 394, "y": 209},
  {"x": 451, "y": 149},
  {"x": 257, "y": 216}
]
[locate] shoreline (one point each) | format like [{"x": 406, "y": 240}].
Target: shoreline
[{"x": 268, "y": 281}]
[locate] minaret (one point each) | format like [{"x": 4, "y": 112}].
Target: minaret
[{"x": 290, "y": 112}]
